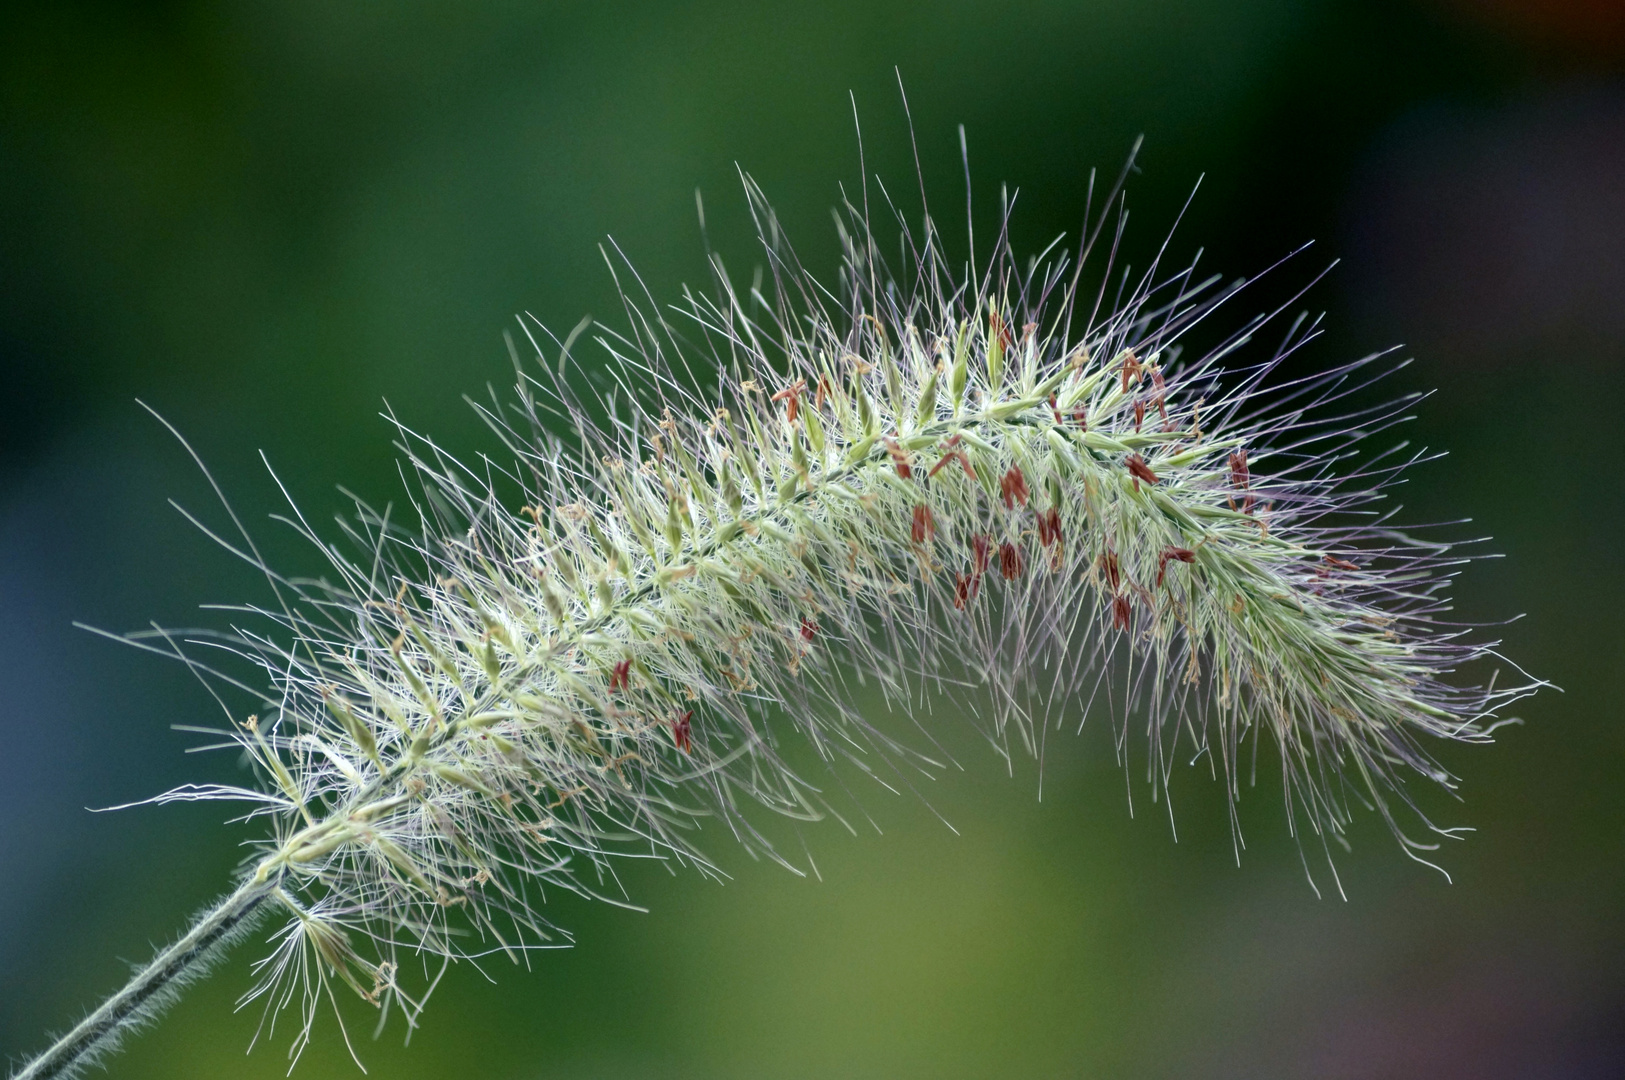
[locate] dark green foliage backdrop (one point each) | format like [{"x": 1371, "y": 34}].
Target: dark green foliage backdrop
[{"x": 268, "y": 219}]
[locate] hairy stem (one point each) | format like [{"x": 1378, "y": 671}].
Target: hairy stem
[{"x": 152, "y": 987}]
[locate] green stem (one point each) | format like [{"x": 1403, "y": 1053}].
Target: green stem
[{"x": 151, "y": 988}]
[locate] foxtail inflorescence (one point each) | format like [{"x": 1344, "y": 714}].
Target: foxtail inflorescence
[{"x": 919, "y": 478}]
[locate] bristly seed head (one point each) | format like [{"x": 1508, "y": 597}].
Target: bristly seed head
[{"x": 490, "y": 700}]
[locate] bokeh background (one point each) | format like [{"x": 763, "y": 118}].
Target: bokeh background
[{"x": 267, "y": 219}]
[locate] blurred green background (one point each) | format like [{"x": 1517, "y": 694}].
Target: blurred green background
[{"x": 268, "y": 219}]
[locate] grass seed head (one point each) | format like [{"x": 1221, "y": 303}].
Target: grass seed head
[{"x": 485, "y": 702}]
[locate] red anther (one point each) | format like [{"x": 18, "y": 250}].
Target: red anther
[
  {"x": 1341, "y": 564},
  {"x": 899, "y": 458},
  {"x": 1049, "y": 526},
  {"x": 1139, "y": 469},
  {"x": 998, "y": 328},
  {"x": 1080, "y": 416},
  {"x": 1139, "y": 413},
  {"x": 1056, "y": 409},
  {"x": 979, "y": 545},
  {"x": 925, "y": 526},
  {"x": 791, "y": 396},
  {"x": 1239, "y": 476},
  {"x": 682, "y": 732},
  {"x": 620, "y": 677},
  {"x": 951, "y": 454},
  {"x": 1013, "y": 488},
  {"x": 1109, "y": 567},
  {"x": 1011, "y": 564},
  {"x": 1131, "y": 368},
  {"x": 1122, "y": 613},
  {"x": 1172, "y": 554},
  {"x": 809, "y": 629},
  {"x": 965, "y": 589}
]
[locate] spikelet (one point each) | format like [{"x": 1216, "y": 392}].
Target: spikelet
[{"x": 917, "y": 480}]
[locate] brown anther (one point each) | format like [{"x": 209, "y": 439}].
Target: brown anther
[
  {"x": 965, "y": 589},
  {"x": 1112, "y": 571},
  {"x": 1080, "y": 416},
  {"x": 1013, "y": 488},
  {"x": 822, "y": 392},
  {"x": 1139, "y": 414},
  {"x": 952, "y": 454},
  {"x": 997, "y": 328},
  {"x": 1055, "y": 408},
  {"x": 1139, "y": 469},
  {"x": 791, "y": 396},
  {"x": 1240, "y": 478},
  {"x": 1049, "y": 526},
  {"x": 1011, "y": 564},
  {"x": 1122, "y": 613},
  {"x": 924, "y": 526},
  {"x": 1340, "y": 564},
  {"x": 682, "y": 731},
  {"x": 979, "y": 545},
  {"x": 899, "y": 458},
  {"x": 1131, "y": 368},
  {"x": 1172, "y": 554}
]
